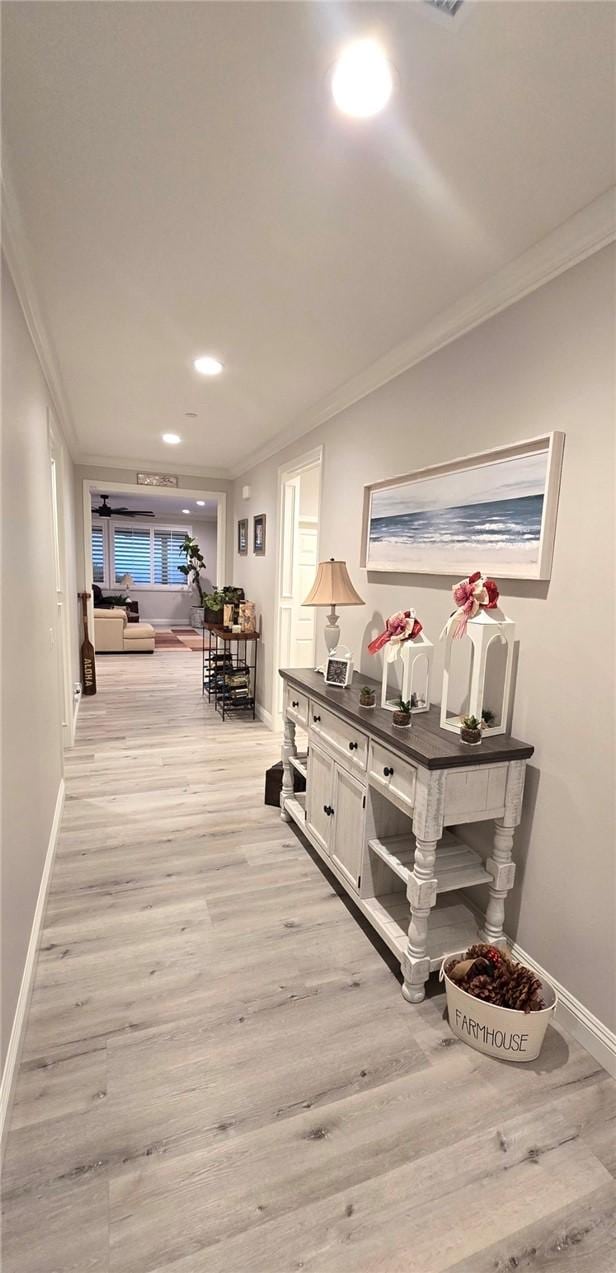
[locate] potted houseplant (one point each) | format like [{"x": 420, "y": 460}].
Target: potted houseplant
[
  {"x": 470, "y": 731},
  {"x": 402, "y": 713},
  {"x": 215, "y": 602},
  {"x": 367, "y": 697},
  {"x": 191, "y": 568}
]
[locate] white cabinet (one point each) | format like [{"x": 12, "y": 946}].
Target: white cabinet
[
  {"x": 336, "y": 812},
  {"x": 319, "y": 790},
  {"x": 349, "y": 817}
]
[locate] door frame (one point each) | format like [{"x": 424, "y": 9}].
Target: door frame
[
  {"x": 57, "y": 492},
  {"x": 93, "y": 484},
  {"x": 286, "y": 473}
]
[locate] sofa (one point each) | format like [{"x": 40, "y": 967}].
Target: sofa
[{"x": 113, "y": 634}]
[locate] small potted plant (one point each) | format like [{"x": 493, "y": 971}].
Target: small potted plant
[
  {"x": 402, "y": 713},
  {"x": 470, "y": 731},
  {"x": 367, "y": 697}
]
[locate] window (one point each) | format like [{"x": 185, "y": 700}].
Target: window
[
  {"x": 131, "y": 553},
  {"x": 167, "y": 556},
  {"x": 98, "y": 555}
]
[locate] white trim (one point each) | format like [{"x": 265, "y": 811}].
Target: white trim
[
  {"x": 264, "y": 716},
  {"x": 589, "y": 230},
  {"x": 575, "y": 1017},
  {"x": 11, "y": 1065}
]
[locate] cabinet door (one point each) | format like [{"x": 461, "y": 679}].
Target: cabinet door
[
  {"x": 349, "y": 818},
  {"x": 319, "y": 795}
]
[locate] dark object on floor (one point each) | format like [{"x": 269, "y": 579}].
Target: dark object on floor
[{"x": 273, "y": 783}]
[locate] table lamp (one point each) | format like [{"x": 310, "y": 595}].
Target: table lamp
[{"x": 332, "y": 587}]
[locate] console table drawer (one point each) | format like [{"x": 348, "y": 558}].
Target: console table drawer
[
  {"x": 344, "y": 739},
  {"x": 391, "y": 774},
  {"x": 296, "y": 706}
]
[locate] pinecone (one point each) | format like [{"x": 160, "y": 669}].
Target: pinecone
[
  {"x": 524, "y": 990},
  {"x": 481, "y": 987}
]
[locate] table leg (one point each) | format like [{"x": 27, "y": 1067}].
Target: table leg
[
  {"x": 421, "y": 892},
  {"x": 500, "y": 865},
  {"x": 288, "y": 749},
  {"x": 502, "y": 870}
]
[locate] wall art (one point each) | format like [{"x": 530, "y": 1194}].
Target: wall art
[
  {"x": 156, "y": 479},
  {"x": 242, "y": 536},
  {"x": 258, "y": 535},
  {"x": 497, "y": 508}
]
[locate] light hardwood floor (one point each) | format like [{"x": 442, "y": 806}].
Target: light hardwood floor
[{"x": 220, "y": 1074}]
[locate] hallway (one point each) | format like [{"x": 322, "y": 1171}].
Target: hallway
[{"x": 220, "y": 1074}]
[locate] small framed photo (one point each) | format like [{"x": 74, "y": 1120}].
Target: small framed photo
[
  {"x": 258, "y": 535},
  {"x": 339, "y": 670},
  {"x": 242, "y": 536}
]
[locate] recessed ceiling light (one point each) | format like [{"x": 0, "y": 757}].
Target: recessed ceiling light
[
  {"x": 207, "y": 365},
  {"x": 362, "y": 80},
  {"x": 185, "y": 510},
  {"x": 201, "y": 502},
  {"x": 171, "y": 439}
]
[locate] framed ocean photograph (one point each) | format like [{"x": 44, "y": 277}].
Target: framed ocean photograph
[{"x": 494, "y": 512}]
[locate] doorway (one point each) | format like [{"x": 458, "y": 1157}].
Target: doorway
[
  {"x": 299, "y": 512},
  {"x": 62, "y": 636}
]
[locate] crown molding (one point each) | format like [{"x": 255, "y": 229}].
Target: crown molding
[
  {"x": 586, "y": 232},
  {"x": 118, "y": 463},
  {"x": 17, "y": 255}
]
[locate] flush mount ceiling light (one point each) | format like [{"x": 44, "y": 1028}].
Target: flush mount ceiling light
[
  {"x": 362, "y": 79},
  {"x": 207, "y": 365},
  {"x": 171, "y": 439},
  {"x": 201, "y": 503}
]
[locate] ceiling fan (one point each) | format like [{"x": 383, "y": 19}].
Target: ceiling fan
[{"x": 105, "y": 511}]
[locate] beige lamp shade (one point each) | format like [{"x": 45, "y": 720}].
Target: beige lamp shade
[{"x": 332, "y": 586}]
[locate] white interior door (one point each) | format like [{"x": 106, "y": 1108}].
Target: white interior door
[
  {"x": 289, "y": 536},
  {"x": 303, "y": 617}
]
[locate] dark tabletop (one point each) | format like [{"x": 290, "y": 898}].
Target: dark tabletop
[{"x": 425, "y": 742}]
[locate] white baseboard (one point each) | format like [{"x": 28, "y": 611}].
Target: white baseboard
[
  {"x": 265, "y": 716},
  {"x": 586, "y": 1028},
  {"x": 11, "y": 1065}
]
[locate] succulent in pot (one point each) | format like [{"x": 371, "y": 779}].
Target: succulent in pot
[
  {"x": 402, "y": 714},
  {"x": 367, "y": 697},
  {"x": 470, "y": 731}
]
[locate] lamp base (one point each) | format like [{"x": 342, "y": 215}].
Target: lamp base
[{"x": 331, "y": 633}]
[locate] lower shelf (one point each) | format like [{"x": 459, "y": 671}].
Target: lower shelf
[
  {"x": 453, "y": 924},
  {"x": 457, "y": 865}
]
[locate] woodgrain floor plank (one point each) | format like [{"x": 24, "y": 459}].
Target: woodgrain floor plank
[{"x": 219, "y": 1071}]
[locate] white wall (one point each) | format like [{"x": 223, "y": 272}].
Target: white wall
[
  {"x": 546, "y": 363},
  {"x": 31, "y": 697}
]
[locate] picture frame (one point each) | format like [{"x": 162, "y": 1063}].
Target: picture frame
[
  {"x": 258, "y": 535},
  {"x": 494, "y": 511},
  {"x": 156, "y": 479},
  {"x": 338, "y": 670},
  {"x": 242, "y": 536}
]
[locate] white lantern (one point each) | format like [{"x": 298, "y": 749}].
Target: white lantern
[
  {"x": 486, "y": 627},
  {"x": 416, "y": 655}
]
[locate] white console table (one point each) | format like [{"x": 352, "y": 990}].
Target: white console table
[{"x": 377, "y": 807}]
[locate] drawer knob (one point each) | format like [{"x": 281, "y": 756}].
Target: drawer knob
[
  {"x": 327, "y": 809},
  {"x": 353, "y": 746},
  {"x": 295, "y": 702},
  {"x": 388, "y": 771},
  {"x": 316, "y": 718}
]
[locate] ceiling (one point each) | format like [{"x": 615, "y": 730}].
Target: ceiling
[
  {"x": 164, "y": 506},
  {"x": 185, "y": 186}
]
